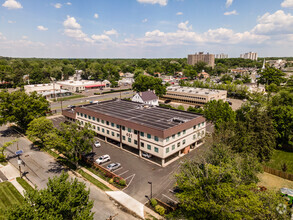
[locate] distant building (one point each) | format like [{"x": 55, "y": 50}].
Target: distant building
[
  {"x": 203, "y": 75},
  {"x": 209, "y": 59},
  {"x": 81, "y": 85},
  {"x": 194, "y": 96},
  {"x": 47, "y": 90},
  {"x": 250, "y": 55},
  {"x": 148, "y": 97},
  {"x": 221, "y": 56}
]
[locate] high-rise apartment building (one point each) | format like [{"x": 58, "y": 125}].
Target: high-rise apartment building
[
  {"x": 221, "y": 56},
  {"x": 201, "y": 57},
  {"x": 250, "y": 55}
]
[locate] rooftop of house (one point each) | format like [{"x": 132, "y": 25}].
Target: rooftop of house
[{"x": 147, "y": 96}]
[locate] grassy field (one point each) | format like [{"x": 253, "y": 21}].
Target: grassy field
[
  {"x": 279, "y": 158},
  {"x": 70, "y": 97},
  {"x": 94, "y": 181},
  {"x": 9, "y": 196},
  {"x": 24, "y": 184}
]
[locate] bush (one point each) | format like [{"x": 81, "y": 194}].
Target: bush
[
  {"x": 160, "y": 209},
  {"x": 154, "y": 202},
  {"x": 122, "y": 182},
  {"x": 111, "y": 181}
]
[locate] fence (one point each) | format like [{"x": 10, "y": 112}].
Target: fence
[{"x": 279, "y": 173}]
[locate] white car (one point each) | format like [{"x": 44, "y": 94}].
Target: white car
[
  {"x": 146, "y": 155},
  {"x": 113, "y": 166},
  {"x": 97, "y": 144},
  {"x": 103, "y": 159}
]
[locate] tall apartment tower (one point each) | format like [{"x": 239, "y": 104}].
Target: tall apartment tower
[
  {"x": 201, "y": 57},
  {"x": 250, "y": 55},
  {"x": 221, "y": 56}
]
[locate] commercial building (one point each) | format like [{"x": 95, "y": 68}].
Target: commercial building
[
  {"x": 250, "y": 55},
  {"x": 194, "y": 96},
  {"x": 209, "y": 59},
  {"x": 147, "y": 97},
  {"x": 221, "y": 56},
  {"x": 81, "y": 85},
  {"x": 164, "y": 133},
  {"x": 49, "y": 91}
]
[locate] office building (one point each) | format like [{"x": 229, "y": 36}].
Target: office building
[
  {"x": 209, "y": 59},
  {"x": 166, "y": 134},
  {"x": 250, "y": 55},
  {"x": 194, "y": 96}
]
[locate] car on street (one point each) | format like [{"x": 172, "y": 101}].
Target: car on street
[
  {"x": 103, "y": 159},
  {"x": 146, "y": 155},
  {"x": 113, "y": 166},
  {"x": 97, "y": 144},
  {"x": 71, "y": 106}
]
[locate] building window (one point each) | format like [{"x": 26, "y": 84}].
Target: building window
[
  {"x": 94, "y": 127},
  {"x": 198, "y": 125},
  {"x": 194, "y": 136},
  {"x": 123, "y": 128},
  {"x": 156, "y": 138},
  {"x": 103, "y": 122},
  {"x": 178, "y": 134},
  {"x": 173, "y": 146},
  {"x": 123, "y": 137},
  {"x": 129, "y": 129},
  {"x": 98, "y": 128},
  {"x": 167, "y": 139},
  {"x": 90, "y": 117},
  {"x": 129, "y": 140},
  {"x": 94, "y": 118},
  {"x": 149, "y": 147},
  {"x": 184, "y": 141},
  {"x": 173, "y": 136},
  {"x": 135, "y": 142},
  {"x": 142, "y": 134},
  {"x": 78, "y": 113},
  {"x": 141, "y": 144},
  {"x": 112, "y": 124},
  {"x": 103, "y": 130},
  {"x": 178, "y": 144},
  {"x": 82, "y": 122},
  {"x": 184, "y": 131},
  {"x": 85, "y": 115},
  {"x": 98, "y": 120},
  {"x": 167, "y": 150},
  {"x": 107, "y": 122},
  {"x": 135, "y": 131},
  {"x": 156, "y": 150},
  {"x": 117, "y": 126},
  {"x": 118, "y": 135},
  {"x": 202, "y": 133},
  {"x": 202, "y": 124},
  {"x": 113, "y": 134},
  {"x": 149, "y": 136},
  {"x": 81, "y": 114},
  {"x": 198, "y": 134},
  {"x": 108, "y": 132}
]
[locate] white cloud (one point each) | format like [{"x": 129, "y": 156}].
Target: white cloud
[
  {"x": 229, "y": 3},
  {"x": 70, "y": 23},
  {"x": 11, "y": 22},
  {"x": 144, "y": 20},
  {"x": 183, "y": 26},
  {"x": 287, "y": 4},
  {"x": 57, "y": 5},
  {"x": 96, "y": 15},
  {"x": 12, "y": 4},
  {"x": 42, "y": 28},
  {"x": 179, "y": 13},
  {"x": 101, "y": 37},
  {"x": 2, "y": 37},
  {"x": 160, "y": 2},
  {"x": 277, "y": 23},
  {"x": 24, "y": 37},
  {"x": 68, "y": 3},
  {"x": 111, "y": 32},
  {"x": 234, "y": 12}
]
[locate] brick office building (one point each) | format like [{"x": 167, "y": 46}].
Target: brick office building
[{"x": 164, "y": 133}]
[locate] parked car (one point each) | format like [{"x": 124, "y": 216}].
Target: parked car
[
  {"x": 146, "y": 155},
  {"x": 113, "y": 166},
  {"x": 97, "y": 144},
  {"x": 103, "y": 159},
  {"x": 71, "y": 106}
]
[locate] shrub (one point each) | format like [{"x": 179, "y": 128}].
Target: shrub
[
  {"x": 154, "y": 202},
  {"x": 111, "y": 181},
  {"x": 122, "y": 182},
  {"x": 160, "y": 209}
]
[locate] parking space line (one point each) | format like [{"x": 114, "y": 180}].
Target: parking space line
[
  {"x": 133, "y": 175},
  {"x": 169, "y": 198},
  {"x": 117, "y": 169},
  {"x": 123, "y": 173},
  {"x": 129, "y": 176}
]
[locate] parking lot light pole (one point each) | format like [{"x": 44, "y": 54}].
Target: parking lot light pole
[{"x": 151, "y": 188}]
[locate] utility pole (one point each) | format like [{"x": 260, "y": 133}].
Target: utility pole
[{"x": 19, "y": 162}]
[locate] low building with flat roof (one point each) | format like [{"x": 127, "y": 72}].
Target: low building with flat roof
[
  {"x": 164, "y": 133},
  {"x": 194, "y": 96},
  {"x": 81, "y": 85}
]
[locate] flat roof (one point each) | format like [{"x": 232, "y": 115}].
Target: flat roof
[
  {"x": 155, "y": 117},
  {"x": 194, "y": 91}
]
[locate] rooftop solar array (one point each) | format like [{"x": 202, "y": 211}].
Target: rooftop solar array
[{"x": 151, "y": 116}]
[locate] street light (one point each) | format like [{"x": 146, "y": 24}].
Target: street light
[{"x": 151, "y": 188}]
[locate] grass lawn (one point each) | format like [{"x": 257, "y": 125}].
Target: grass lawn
[
  {"x": 24, "y": 184},
  {"x": 9, "y": 196},
  {"x": 94, "y": 181},
  {"x": 70, "y": 97},
  {"x": 279, "y": 158}
]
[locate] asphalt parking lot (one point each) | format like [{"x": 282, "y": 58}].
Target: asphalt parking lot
[{"x": 57, "y": 120}]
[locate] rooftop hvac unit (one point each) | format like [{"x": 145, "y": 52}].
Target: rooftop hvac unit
[
  {"x": 179, "y": 120},
  {"x": 206, "y": 92}
]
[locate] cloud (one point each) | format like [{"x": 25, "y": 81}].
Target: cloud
[
  {"x": 277, "y": 23},
  {"x": 24, "y": 37},
  {"x": 2, "y": 37},
  {"x": 68, "y": 3},
  {"x": 42, "y": 28},
  {"x": 111, "y": 32},
  {"x": 183, "y": 26},
  {"x": 101, "y": 37},
  {"x": 96, "y": 15},
  {"x": 11, "y": 22},
  {"x": 160, "y": 2},
  {"x": 57, "y": 5},
  {"x": 179, "y": 13},
  {"x": 71, "y": 23},
  {"x": 144, "y": 20},
  {"x": 234, "y": 12},
  {"x": 12, "y": 4},
  {"x": 229, "y": 3},
  {"x": 287, "y": 4}
]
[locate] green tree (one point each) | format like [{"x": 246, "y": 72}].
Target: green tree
[
  {"x": 21, "y": 108},
  {"x": 62, "y": 199},
  {"x": 271, "y": 75},
  {"x": 144, "y": 83},
  {"x": 39, "y": 128},
  {"x": 181, "y": 107},
  {"x": 3, "y": 148},
  {"x": 218, "y": 112}
]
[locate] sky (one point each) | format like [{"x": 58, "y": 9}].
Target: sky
[{"x": 144, "y": 28}]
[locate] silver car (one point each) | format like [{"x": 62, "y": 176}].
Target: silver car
[{"x": 113, "y": 166}]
